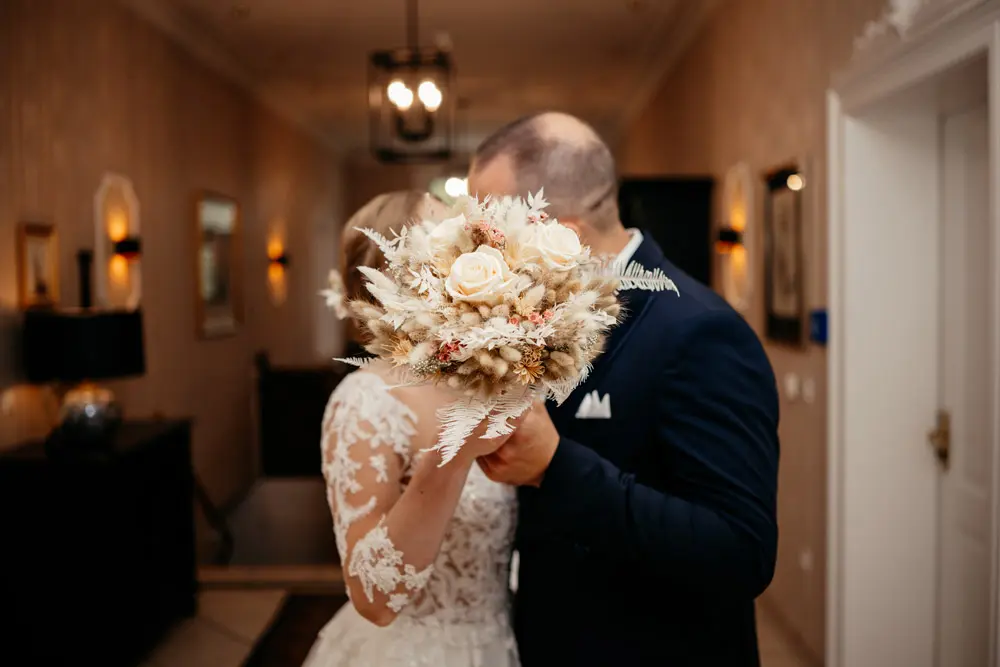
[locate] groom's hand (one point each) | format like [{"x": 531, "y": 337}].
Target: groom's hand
[{"x": 523, "y": 459}]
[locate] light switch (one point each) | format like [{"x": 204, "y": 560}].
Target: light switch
[{"x": 792, "y": 386}]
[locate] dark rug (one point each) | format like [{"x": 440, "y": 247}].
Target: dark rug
[{"x": 294, "y": 629}]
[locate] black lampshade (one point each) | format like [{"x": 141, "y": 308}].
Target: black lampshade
[{"x": 73, "y": 346}]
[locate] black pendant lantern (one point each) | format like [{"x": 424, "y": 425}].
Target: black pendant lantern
[{"x": 411, "y": 101}]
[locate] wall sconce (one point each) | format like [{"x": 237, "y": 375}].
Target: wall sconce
[
  {"x": 277, "y": 263},
  {"x": 734, "y": 241},
  {"x": 117, "y": 248},
  {"x": 129, "y": 247},
  {"x": 727, "y": 239}
]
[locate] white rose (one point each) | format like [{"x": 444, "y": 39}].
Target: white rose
[
  {"x": 480, "y": 277},
  {"x": 552, "y": 245},
  {"x": 448, "y": 235}
]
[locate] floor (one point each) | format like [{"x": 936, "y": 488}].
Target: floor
[
  {"x": 223, "y": 633},
  {"x": 232, "y": 617}
]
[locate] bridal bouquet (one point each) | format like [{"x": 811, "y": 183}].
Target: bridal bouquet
[{"x": 499, "y": 302}]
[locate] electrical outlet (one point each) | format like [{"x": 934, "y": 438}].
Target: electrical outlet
[
  {"x": 7, "y": 403},
  {"x": 809, "y": 390},
  {"x": 806, "y": 559}
]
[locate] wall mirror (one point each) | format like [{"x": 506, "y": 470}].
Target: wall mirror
[{"x": 219, "y": 298}]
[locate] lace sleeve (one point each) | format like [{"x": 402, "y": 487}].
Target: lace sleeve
[{"x": 366, "y": 453}]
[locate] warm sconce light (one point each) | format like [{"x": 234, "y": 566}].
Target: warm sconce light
[
  {"x": 734, "y": 241},
  {"x": 118, "y": 270},
  {"x": 278, "y": 261},
  {"x": 117, "y": 225},
  {"x": 117, "y": 248},
  {"x": 276, "y": 252}
]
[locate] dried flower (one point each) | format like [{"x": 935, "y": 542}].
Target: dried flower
[
  {"x": 483, "y": 232},
  {"x": 400, "y": 353},
  {"x": 447, "y": 350},
  {"x": 528, "y": 373}
]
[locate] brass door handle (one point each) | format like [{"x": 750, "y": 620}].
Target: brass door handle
[{"x": 940, "y": 437}]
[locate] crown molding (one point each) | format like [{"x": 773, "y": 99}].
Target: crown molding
[
  {"x": 904, "y": 19},
  {"x": 688, "y": 21},
  {"x": 203, "y": 46}
]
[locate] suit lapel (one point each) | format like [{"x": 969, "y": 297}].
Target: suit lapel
[{"x": 649, "y": 255}]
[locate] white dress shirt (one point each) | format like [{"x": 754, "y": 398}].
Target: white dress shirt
[{"x": 625, "y": 256}]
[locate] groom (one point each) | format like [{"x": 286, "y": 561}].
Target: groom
[{"x": 647, "y": 503}]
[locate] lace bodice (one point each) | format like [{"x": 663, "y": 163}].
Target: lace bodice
[{"x": 367, "y": 447}]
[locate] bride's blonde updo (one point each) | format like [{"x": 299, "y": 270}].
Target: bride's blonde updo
[{"x": 385, "y": 214}]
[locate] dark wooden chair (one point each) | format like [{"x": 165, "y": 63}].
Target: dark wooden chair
[{"x": 291, "y": 401}]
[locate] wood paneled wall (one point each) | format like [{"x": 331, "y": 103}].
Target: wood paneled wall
[{"x": 86, "y": 87}]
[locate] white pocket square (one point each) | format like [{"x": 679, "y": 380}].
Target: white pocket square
[{"x": 594, "y": 406}]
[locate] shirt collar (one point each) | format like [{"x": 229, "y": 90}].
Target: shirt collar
[{"x": 625, "y": 256}]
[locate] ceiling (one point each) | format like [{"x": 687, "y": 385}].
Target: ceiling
[{"x": 598, "y": 59}]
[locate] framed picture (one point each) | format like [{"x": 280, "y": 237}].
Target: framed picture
[
  {"x": 784, "y": 289},
  {"x": 219, "y": 285},
  {"x": 37, "y": 265}
]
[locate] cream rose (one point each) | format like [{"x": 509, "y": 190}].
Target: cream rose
[
  {"x": 552, "y": 245},
  {"x": 481, "y": 276},
  {"x": 448, "y": 236}
]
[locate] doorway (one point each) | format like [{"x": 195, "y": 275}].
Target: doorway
[{"x": 915, "y": 359}]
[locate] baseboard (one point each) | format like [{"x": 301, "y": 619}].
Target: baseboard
[
  {"x": 292, "y": 578},
  {"x": 795, "y": 640}
]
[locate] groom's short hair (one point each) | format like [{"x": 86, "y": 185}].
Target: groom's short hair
[{"x": 566, "y": 157}]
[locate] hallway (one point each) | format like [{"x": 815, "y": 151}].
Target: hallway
[{"x": 230, "y": 621}]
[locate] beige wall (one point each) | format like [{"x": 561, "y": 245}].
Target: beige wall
[
  {"x": 86, "y": 87},
  {"x": 365, "y": 178},
  {"x": 752, "y": 88}
]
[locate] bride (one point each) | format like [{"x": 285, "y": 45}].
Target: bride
[{"x": 426, "y": 549}]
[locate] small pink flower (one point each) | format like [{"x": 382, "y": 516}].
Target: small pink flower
[
  {"x": 448, "y": 349},
  {"x": 515, "y": 320},
  {"x": 548, "y": 314},
  {"x": 535, "y": 318}
]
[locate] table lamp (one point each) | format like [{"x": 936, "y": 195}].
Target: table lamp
[{"x": 82, "y": 347}]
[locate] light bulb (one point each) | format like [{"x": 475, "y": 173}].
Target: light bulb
[
  {"x": 399, "y": 95},
  {"x": 456, "y": 187},
  {"x": 430, "y": 95},
  {"x": 795, "y": 182}
]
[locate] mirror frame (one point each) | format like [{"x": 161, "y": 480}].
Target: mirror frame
[{"x": 235, "y": 269}]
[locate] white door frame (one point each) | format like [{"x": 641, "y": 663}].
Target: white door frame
[{"x": 907, "y": 64}]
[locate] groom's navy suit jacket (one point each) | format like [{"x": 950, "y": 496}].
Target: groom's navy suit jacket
[{"x": 653, "y": 532}]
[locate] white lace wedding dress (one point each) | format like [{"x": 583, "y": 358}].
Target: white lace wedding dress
[{"x": 455, "y": 613}]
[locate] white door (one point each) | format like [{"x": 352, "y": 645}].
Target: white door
[{"x": 964, "y": 564}]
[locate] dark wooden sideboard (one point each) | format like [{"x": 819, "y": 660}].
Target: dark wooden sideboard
[{"x": 97, "y": 551}]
